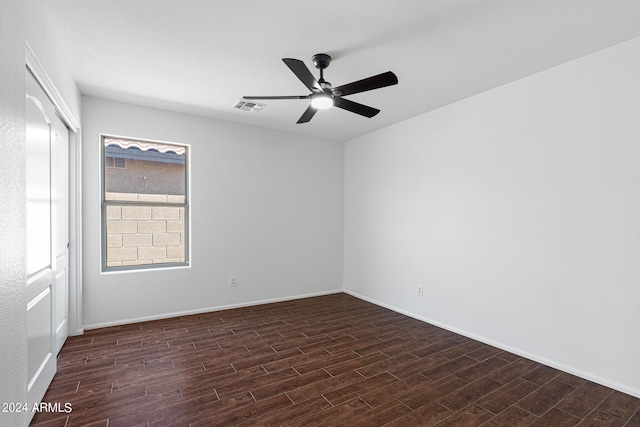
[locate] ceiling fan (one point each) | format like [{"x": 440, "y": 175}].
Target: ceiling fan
[{"x": 324, "y": 96}]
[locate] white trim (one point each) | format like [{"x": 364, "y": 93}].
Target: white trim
[
  {"x": 579, "y": 373},
  {"x": 208, "y": 309},
  {"x": 40, "y": 107},
  {"x": 50, "y": 89},
  {"x": 46, "y": 291},
  {"x": 75, "y": 231},
  {"x": 75, "y": 171}
]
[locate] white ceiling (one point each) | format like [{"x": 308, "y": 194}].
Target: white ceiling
[{"x": 200, "y": 56}]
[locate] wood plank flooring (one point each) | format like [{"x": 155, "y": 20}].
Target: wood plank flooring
[{"x": 323, "y": 361}]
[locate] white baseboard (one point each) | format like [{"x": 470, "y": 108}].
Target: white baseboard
[
  {"x": 205, "y": 310},
  {"x": 579, "y": 373}
]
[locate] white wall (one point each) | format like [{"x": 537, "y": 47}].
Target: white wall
[
  {"x": 13, "y": 306},
  {"x": 518, "y": 210},
  {"x": 42, "y": 39},
  {"x": 267, "y": 207}
]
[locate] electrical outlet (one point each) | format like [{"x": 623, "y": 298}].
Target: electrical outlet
[
  {"x": 420, "y": 291},
  {"x": 233, "y": 281}
]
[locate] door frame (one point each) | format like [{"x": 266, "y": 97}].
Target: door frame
[{"x": 76, "y": 325}]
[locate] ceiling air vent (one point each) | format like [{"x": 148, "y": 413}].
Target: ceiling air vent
[{"x": 251, "y": 106}]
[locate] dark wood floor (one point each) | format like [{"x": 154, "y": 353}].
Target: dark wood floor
[{"x": 324, "y": 361}]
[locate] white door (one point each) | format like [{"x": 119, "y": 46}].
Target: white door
[
  {"x": 47, "y": 238},
  {"x": 60, "y": 201}
]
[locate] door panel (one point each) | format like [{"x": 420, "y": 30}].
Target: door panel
[
  {"x": 39, "y": 312},
  {"x": 41, "y": 360},
  {"x": 38, "y": 183}
]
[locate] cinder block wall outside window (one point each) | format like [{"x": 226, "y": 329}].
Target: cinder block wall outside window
[{"x": 139, "y": 235}]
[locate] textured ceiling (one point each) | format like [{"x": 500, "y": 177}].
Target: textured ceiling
[{"x": 200, "y": 56}]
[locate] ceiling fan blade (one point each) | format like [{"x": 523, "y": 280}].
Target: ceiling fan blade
[
  {"x": 370, "y": 83},
  {"x": 307, "y": 115},
  {"x": 354, "y": 107},
  {"x": 303, "y": 73},
  {"x": 277, "y": 97}
]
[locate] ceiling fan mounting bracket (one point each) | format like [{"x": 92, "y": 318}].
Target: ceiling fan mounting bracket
[{"x": 321, "y": 60}]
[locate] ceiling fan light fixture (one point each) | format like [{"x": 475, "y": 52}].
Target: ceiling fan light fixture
[{"x": 321, "y": 101}]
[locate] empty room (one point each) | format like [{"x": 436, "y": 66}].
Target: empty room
[{"x": 338, "y": 213}]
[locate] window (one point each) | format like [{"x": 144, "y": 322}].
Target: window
[{"x": 145, "y": 204}]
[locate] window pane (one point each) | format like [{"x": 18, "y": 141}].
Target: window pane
[
  {"x": 143, "y": 234},
  {"x": 145, "y": 204},
  {"x": 144, "y": 171}
]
